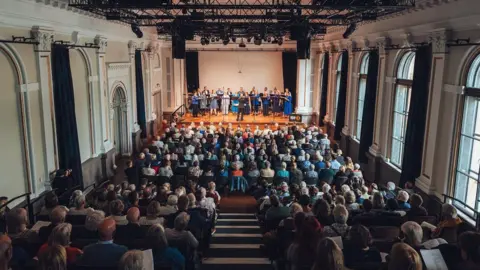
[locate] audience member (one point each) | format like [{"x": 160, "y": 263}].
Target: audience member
[
  {"x": 153, "y": 213},
  {"x": 339, "y": 227},
  {"x": 57, "y": 216},
  {"x": 162, "y": 253},
  {"x": 358, "y": 250},
  {"x": 328, "y": 256},
  {"x": 402, "y": 257},
  {"x": 61, "y": 236},
  {"x": 53, "y": 258},
  {"x": 131, "y": 260},
  {"x": 416, "y": 208},
  {"x": 6, "y": 252}
]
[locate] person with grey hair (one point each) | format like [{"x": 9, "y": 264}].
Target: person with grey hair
[
  {"x": 283, "y": 173},
  {"x": 171, "y": 206},
  {"x": 447, "y": 227},
  {"x": 162, "y": 253},
  {"x": 311, "y": 173},
  {"x": 207, "y": 203},
  {"x": 57, "y": 216},
  {"x": 402, "y": 198},
  {"x": 267, "y": 172},
  {"x": 179, "y": 234},
  {"x": 17, "y": 222},
  {"x": 356, "y": 171},
  {"x": 79, "y": 206},
  {"x": 92, "y": 221},
  {"x": 350, "y": 203},
  {"x": 131, "y": 260},
  {"x": 339, "y": 227},
  {"x": 116, "y": 211},
  {"x": 153, "y": 212},
  {"x": 413, "y": 233}
]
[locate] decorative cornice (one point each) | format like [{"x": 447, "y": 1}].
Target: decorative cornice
[
  {"x": 44, "y": 36},
  {"x": 118, "y": 66},
  {"x": 132, "y": 46}
]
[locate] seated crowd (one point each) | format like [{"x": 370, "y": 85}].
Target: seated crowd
[{"x": 313, "y": 203}]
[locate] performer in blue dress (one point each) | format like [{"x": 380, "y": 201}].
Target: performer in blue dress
[
  {"x": 287, "y": 108},
  {"x": 195, "y": 101},
  {"x": 213, "y": 103},
  {"x": 235, "y": 103}
]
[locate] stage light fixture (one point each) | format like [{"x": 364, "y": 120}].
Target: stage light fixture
[
  {"x": 234, "y": 39},
  {"x": 350, "y": 29},
  {"x": 136, "y": 30}
]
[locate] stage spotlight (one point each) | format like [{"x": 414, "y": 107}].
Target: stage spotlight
[
  {"x": 234, "y": 39},
  {"x": 225, "y": 41},
  {"x": 136, "y": 30},
  {"x": 269, "y": 39},
  {"x": 249, "y": 39},
  {"x": 350, "y": 29}
]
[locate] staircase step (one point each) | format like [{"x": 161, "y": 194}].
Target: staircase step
[
  {"x": 236, "y": 216},
  {"x": 229, "y": 229},
  {"x": 237, "y": 240},
  {"x": 219, "y": 246},
  {"x": 237, "y": 222},
  {"x": 238, "y": 267},
  {"x": 235, "y": 253},
  {"x": 238, "y": 235},
  {"x": 236, "y": 261}
]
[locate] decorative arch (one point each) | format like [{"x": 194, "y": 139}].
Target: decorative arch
[
  {"x": 118, "y": 86},
  {"x": 22, "y": 80},
  {"x": 363, "y": 63},
  {"x": 119, "y": 107},
  {"x": 360, "y": 93},
  {"x": 91, "y": 116}
]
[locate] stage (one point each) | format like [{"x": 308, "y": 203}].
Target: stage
[{"x": 232, "y": 118}]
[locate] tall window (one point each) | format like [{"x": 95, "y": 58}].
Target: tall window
[
  {"x": 403, "y": 89},
  {"x": 312, "y": 83},
  {"x": 168, "y": 70},
  {"x": 468, "y": 162},
  {"x": 362, "y": 86},
  {"x": 337, "y": 87}
]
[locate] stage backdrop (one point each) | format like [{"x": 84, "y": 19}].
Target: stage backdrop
[{"x": 240, "y": 69}]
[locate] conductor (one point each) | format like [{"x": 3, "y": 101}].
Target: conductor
[{"x": 241, "y": 106}]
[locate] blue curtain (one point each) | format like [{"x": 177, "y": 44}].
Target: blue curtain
[
  {"x": 289, "y": 65},
  {"x": 65, "y": 119},
  {"x": 342, "y": 97},
  {"x": 141, "y": 118},
  {"x": 323, "y": 100},
  {"x": 368, "y": 118},
  {"x": 191, "y": 63},
  {"x": 414, "y": 135}
]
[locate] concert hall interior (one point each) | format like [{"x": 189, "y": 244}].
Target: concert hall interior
[{"x": 240, "y": 134}]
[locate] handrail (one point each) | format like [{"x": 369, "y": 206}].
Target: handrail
[
  {"x": 176, "y": 110},
  {"x": 476, "y": 215},
  {"x": 28, "y": 205}
]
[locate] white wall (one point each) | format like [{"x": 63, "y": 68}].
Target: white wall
[{"x": 259, "y": 69}]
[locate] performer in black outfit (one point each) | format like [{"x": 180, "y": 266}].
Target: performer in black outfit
[
  {"x": 241, "y": 107},
  {"x": 195, "y": 101},
  {"x": 265, "y": 102}
]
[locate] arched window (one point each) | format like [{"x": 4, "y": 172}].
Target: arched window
[
  {"x": 403, "y": 90},
  {"x": 362, "y": 85},
  {"x": 337, "y": 87},
  {"x": 468, "y": 155}
]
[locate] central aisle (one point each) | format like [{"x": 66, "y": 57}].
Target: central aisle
[{"x": 236, "y": 244}]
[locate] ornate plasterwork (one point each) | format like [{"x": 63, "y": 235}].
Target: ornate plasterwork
[
  {"x": 382, "y": 43},
  {"x": 132, "y": 46},
  {"x": 44, "y": 36},
  {"x": 438, "y": 39},
  {"x": 351, "y": 45},
  {"x": 101, "y": 42},
  {"x": 407, "y": 40}
]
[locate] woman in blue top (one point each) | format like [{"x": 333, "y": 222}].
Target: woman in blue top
[
  {"x": 235, "y": 103},
  {"x": 213, "y": 103},
  {"x": 283, "y": 171},
  {"x": 287, "y": 104},
  {"x": 163, "y": 254}
]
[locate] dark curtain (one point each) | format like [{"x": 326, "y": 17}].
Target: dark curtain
[
  {"x": 414, "y": 135},
  {"x": 324, "y": 94},
  {"x": 342, "y": 97},
  {"x": 141, "y": 118},
  {"x": 368, "y": 117},
  {"x": 289, "y": 65},
  {"x": 65, "y": 120},
  {"x": 193, "y": 81}
]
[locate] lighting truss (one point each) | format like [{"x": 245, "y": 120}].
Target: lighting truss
[{"x": 241, "y": 18}]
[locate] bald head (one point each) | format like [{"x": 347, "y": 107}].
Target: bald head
[
  {"x": 5, "y": 251},
  {"x": 106, "y": 229},
  {"x": 133, "y": 215}
]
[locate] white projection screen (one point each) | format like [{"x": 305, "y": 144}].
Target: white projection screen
[{"x": 240, "y": 69}]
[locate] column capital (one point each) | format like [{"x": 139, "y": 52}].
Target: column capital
[
  {"x": 153, "y": 48},
  {"x": 102, "y": 43},
  {"x": 44, "y": 36},
  {"x": 382, "y": 43},
  {"x": 132, "y": 46},
  {"x": 351, "y": 45},
  {"x": 438, "y": 38},
  {"x": 407, "y": 40},
  {"x": 365, "y": 43}
]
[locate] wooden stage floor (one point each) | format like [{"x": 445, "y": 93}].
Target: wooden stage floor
[{"x": 232, "y": 118}]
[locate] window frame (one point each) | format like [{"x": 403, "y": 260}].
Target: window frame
[
  {"x": 404, "y": 71},
  {"x": 338, "y": 79},
  {"x": 362, "y": 76},
  {"x": 471, "y": 91}
]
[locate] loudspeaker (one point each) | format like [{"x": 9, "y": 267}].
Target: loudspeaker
[
  {"x": 178, "y": 47},
  {"x": 303, "y": 48}
]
